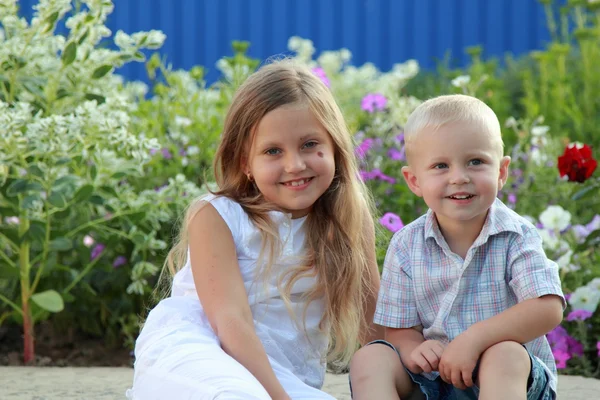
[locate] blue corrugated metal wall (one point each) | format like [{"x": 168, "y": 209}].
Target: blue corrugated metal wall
[{"x": 384, "y": 32}]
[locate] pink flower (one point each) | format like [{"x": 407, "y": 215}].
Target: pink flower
[
  {"x": 396, "y": 155},
  {"x": 374, "y": 102},
  {"x": 392, "y": 222},
  {"x": 119, "y": 261},
  {"x": 364, "y": 147},
  {"x": 561, "y": 358},
  {"x": 598, "y": 347},
  {"x": 579, "y": 315},
  {"x": 320, "y": 73}
]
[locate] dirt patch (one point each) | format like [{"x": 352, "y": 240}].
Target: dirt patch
[{"x": 66, "y": 350}]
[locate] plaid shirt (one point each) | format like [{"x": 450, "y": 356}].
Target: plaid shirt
[{"x": 425, "y": 283}]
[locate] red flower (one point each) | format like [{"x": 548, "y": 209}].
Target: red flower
[{"x": 577, "y": 162}]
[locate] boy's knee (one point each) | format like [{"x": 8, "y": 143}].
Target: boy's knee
[
  {"x": 506, "y": 356},
  {"x": 370, "y": 359}
]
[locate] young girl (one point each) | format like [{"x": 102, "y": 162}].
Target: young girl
[{"x": 276, "y": 271}]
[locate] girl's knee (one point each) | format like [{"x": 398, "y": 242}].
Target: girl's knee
[{"x": 507, "y": 356}]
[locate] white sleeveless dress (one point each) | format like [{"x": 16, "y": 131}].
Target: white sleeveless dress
[{"x": 178, "y": 356}]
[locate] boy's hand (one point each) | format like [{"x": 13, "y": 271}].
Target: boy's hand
[
  {"x": 459, "y": 360},
  {"x": 426, "y": 357}
]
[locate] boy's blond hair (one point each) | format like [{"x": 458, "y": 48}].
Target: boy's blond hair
[{"x": 443, "y": 110}]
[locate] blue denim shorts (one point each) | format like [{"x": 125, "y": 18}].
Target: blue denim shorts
[{"x": 538, "y": 385}]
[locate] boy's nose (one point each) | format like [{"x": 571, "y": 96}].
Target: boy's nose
[{"x": 459, "y": 177}]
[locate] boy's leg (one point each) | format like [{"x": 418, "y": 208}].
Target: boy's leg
[
  {"x": 504, "y": 371},
  {"x": 376, "y": 372}
]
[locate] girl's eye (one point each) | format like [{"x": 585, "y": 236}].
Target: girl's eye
[
  {"x": 440, "y": 166},
  {"x": 310, "y": 145},
  {"x": 476, "y": 161},
  {"x": 272, "y": 152}
]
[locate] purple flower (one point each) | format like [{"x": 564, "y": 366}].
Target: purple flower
[
  {"x": 97, "y": 250},
  {"x": 400, "y": 138},
  {"x": 374, "y": 102},
  {"x": 579, "y": 315},
  {"x": 583, "y": 231},
  {"x": 182, "y": 152},
  {"x": 119, "y": 261},
  {"x": 396, "y": 155},
  {"x": 561, "y": 358},
  {"x": 392, "y": 222},
  {"x": 364, "y": 147},
  {"x": 568, "y": 296},
  {"x": 153, "y": 151},
  {"x": 376, "y": 174},
  {"x": 166, "y": 153},
  {"x": 512, "y": 198},
  {"x": 598, "y": 347},
  {"x": 575, "y": 347},
  {"x": 320, "y": 73}
]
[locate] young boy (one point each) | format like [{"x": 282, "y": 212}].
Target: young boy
[{"x": 467, "y": 293}]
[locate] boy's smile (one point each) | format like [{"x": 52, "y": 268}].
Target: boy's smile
[{"x": 458, "y": 170}]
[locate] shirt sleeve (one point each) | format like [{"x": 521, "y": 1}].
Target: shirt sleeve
[
  {"x": 532, "y": 274},
  {"x": 396, "y": 306}
]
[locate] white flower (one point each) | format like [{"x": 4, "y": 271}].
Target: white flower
[
  {"x": 461, "y": 81},
  {"x": 565, "y": 260},
  {"x": 537, "y": 156},
  {"x": 549, "y": 241},
  {"x": 555, "y": 218},
  {"x": 193, "y": 150},
  {"x": 12, "y": 220},
  {"x": 185, "y": 161},
  {"x": 585, "y": 298},
  {"x": 88, "y": 241},
  {"x": 182, "y": 121},
  {"x": 540, "y": 130},
  {"x": 511, "y": 122}
]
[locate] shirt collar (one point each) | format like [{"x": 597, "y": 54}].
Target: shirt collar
[{"x": 500, "y": 218}]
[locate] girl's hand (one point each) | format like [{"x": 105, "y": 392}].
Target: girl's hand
[{"x": 426, "y": 357}]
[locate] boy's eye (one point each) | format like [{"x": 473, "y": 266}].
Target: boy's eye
[
  {"x": 476, "y": 161},
  {"x": 310, "y": 144},
  {"x": 440, "y": 166},
  {"x": 272, "y": 152}
]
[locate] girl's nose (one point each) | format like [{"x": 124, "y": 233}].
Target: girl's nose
[{"x": 294, "y": 163}]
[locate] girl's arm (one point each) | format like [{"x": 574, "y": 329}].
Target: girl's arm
[
  {"x": 223, "y": 296},
  {"x": 371, "y": 331}
]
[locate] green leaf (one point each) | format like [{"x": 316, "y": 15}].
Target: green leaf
[
  {"x": 84, "y": 193},
  {"x": 61, "y": 244},
  {"x": 36, "y": 232},
  {"x": 93, "y": 172},
  {"x": 50, "y": 300},
  {"x": 62, "y": 161},
  {"x": 57, "y": 200},
  {"x": 92, "y": 96},
  {"x": 97, "y": 200},
  {"x": 585, "y": 192},
  {"x": 50, "y": 21},
  {"x": 101, "y": 71},
  {"x": 29, "y": 201},
  {"x": 35, "y": 171},
  {"x": 64, "y": 182},
  {"x": 8, "y": 272},
  {"x": 16, "y": 187},
  {"x": 69, "y": 53}
]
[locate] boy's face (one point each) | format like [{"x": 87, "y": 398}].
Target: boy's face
[{"x": 458, "y": 170}]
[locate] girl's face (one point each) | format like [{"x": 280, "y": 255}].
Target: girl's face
[{"x": 291, "y": 159}]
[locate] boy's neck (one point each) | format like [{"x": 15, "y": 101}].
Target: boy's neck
[{"x": 460, "y": 235}]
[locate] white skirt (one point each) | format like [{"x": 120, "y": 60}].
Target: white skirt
[{"x": 178, "y": 356}]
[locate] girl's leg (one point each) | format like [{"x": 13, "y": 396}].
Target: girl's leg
[
  {"x": 376, "y": 372},
  {"x": 195, "y": 371},
  {"x": 503, "y": 372}
]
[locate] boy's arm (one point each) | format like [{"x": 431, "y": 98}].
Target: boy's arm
[
  {"x": 405, "y": 340},
  {"x": 521, "y": 323}
]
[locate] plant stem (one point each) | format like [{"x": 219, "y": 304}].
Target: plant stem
[{"x": 24, "y": 265}]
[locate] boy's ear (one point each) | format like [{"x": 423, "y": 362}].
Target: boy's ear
[
  {"x": 503, "y": 176},
  {"x": 411, "y": 181}
]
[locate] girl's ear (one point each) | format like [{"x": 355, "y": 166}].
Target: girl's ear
[
  {"x": 503, "y": 175},
  {"x": 412, "y": 181}
]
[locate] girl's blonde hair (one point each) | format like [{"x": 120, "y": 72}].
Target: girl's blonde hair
[{"x": 337, "y": 237}]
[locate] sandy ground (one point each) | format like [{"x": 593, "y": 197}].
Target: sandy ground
[{"x": 47, "y": 383}]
